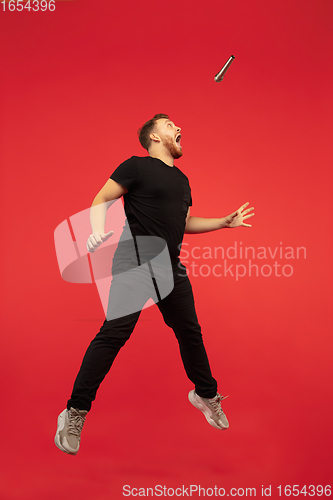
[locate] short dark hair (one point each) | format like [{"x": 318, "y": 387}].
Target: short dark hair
[{"x": 146, "y": 129}]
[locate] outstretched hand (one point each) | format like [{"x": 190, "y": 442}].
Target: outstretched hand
[{"x": 237, "y": 218}]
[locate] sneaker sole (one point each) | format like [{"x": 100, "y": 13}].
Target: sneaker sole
[
  {"x": 192, "y": 397},
  {"x": 61, "y": 425}
]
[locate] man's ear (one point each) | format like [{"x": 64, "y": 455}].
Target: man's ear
[{"x": 155, "y": 137}]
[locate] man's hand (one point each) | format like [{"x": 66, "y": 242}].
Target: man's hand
[
  {"x": 237, "y": 218},
  {"x": 96, "y": 239}
]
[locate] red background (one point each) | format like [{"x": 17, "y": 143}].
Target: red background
[{"x": 76, "y": 84}]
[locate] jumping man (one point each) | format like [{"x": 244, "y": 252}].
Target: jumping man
[{"x": 157, "y": 200}]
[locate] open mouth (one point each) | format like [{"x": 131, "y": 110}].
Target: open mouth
[{"x": 178, "y": 138}]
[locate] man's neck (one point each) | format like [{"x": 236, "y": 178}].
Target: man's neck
[{"x": 165, "y": 158}]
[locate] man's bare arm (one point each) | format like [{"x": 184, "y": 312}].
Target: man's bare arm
[
  {"x": 103, "y": 200},
  {"x": 204, "y": 225}
]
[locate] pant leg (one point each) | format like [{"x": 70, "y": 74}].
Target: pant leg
[
  {"x": 179, "y": 313},
  {"x": 98, "y": 359},
  {"x": 129, "y": 292}
]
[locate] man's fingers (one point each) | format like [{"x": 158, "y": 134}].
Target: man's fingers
[
  {"x": 247, "y": 216},
  {"x": 95, "y": 238},
  {"x": 247, "y": 225},
  {"x": 248, "y": 210},
  {"x": 245, "y": 205},
  {"x": 107, "y": 236},
  {"x": 90, "y": 248},
  {"x": 93, "y": 242}
]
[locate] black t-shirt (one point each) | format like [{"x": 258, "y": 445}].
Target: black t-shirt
[{"x": 157, "y": 201}]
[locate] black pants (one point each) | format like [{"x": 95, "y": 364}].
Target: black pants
[{"x": 178, "y": 312}]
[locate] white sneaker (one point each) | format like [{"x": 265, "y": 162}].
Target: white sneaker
[
  {"x": 211, "y": 408},
  {"x": 68, "y": 435}
]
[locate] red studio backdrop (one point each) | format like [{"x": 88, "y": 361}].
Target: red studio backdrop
[{"x": 76, "y": 84}]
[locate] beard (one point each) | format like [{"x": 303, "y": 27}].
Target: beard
[{"x": 173, "y": 148}]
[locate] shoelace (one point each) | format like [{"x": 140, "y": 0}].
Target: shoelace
[
  {"x": 216, "y": 403},
  {"x": 76, "y": 421}
]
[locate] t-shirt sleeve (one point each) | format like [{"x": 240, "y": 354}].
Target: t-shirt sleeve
[
  {"x": 190, "y": 202},
  {"x": 127, "y": 173}
]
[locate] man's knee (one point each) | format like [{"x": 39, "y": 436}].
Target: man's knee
[
  {"x": 189, "y": 336},
  {"x": 117, "y": 331}
]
